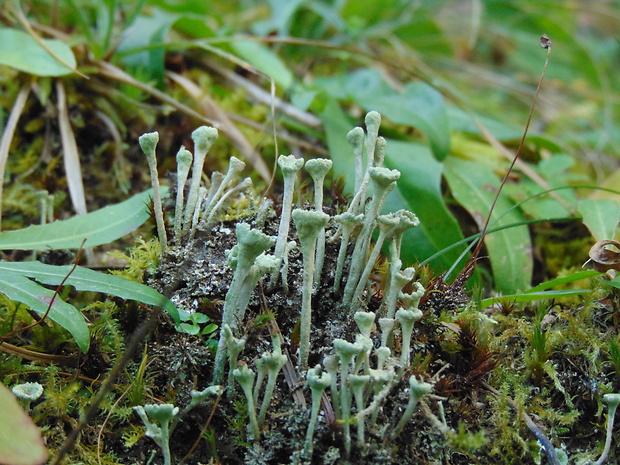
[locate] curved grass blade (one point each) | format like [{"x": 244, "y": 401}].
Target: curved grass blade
[
  {"x": 21, "y": 289},
  {"x": 99, "y": 227},
  {"x": 84, "y": 279},
  {"x": 544, "y": 295},
  {"x": 563, "y": 280}
]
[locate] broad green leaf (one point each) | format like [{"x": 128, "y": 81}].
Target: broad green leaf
[
  {"x": 367, "y": 81},
  {"x": 84, "y": 279},
  {"x": 601, "y": 217},
  {"x": 419, "y": 106},
  {"x": 21, "y": 289},
  {"x": 282, "y": 14},
  {"x": 474, "y": 186},
  {"x": 20, "y": 438},
  {"x": 20, "y": 51},
  {"x": 265, "y": 60},
  {"x": 99, "y": 227},
  {"x": 419, "y": 190}
]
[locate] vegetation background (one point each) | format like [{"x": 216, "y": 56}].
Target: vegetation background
[{"x": 453, "y": 80}]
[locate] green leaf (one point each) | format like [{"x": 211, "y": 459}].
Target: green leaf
[
  {"x": 189, "y": 328},
  {"x": 601, "y": 217},
  {"x": 84, "y": 279},
  {"x": 419, "y": 106},
  {"x": 264, "y": 60},
  {"x": 20, "y": 438},
  {"x": 349, "y": 86},
  {"x": 20, "y": 51},
  {"x": 545, "y": 295},
  {"x": 99, "y": 227},
  {"x": 337, "y": 125},
  {"x": 474, "y": 186},
  {"x": 419, "y": 190},
  {"x": 563, "y": 280},
  {"x": 147, "y": 31},
  {"x": 21, "y": 289}
]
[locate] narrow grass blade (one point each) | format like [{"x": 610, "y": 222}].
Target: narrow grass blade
[
  {"x": 98, "y": 227},
  {"x": 21, "y": 289},
  {"x": 530, "y": 296},
  {"x": 563, "y": 280},
  {"x": 84, "y": 279}
]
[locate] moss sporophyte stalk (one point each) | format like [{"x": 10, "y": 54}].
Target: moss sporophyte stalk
[{"x": 302, "y": 288}]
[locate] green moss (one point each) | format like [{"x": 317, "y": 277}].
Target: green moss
[{"x": 142, "y": 258}]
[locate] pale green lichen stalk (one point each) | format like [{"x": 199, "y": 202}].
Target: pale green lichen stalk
[
  {"x": 318, "y": 169},
  {"x": 245, "y": 377},
  {"x": 148, "y": 143},
  {"x": 289, "y": 165},
  {"x": 612, "y": 401},
  {"x": 184, "y": 164},
  {"x": 417, "y": 390},
  {"x": 251, "y": 243},
  {"x": 309, "y": 224},
  {"x": 159, "y": 431},
  {"x": 203, "y": 138},
  {"x": 317, "y": 382}
]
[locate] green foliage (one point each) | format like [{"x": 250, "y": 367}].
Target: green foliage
[
  {"x": 142, "y": 258},
  {"x": 18, "y": 287},
  {"x": 601, "y": 216},
  {"x": 467, "y": 441},
  {"x": 96, "y": 228},
  {"x": 540, "y": 346},
  {"x": 196, "y": 324},
  {"x": 614, "y": 355},
  {"x": 21, "y": 51}
]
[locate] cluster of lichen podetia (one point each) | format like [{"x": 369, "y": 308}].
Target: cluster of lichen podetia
[
  {"x": 251, "y": 262},
  {"x": 358, "y": 391}
]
